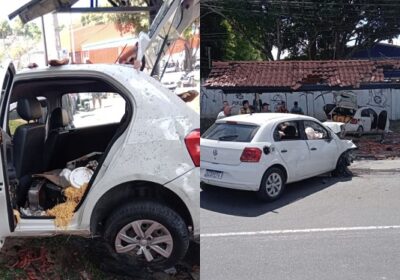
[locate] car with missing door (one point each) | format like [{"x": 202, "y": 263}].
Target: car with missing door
[
  {"x": 263, "y": 152},
  {"x": 142, "y": 198},
  {"x": 356, "y": 119}
]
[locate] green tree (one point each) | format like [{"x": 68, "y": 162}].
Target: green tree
[
  {"x": 312, "y": 29},
  {"x": 136, "y": 22},
  {"x": 94, "y": 19},
  {"x": 236, "y": 48},
  {"x": 5, "y": 29},
  {"x": 29, "y": 30}
]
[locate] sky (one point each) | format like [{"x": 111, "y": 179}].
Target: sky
[{"x": 10, "y": 7}]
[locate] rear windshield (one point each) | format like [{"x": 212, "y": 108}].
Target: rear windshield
[{"x": 231, "y": 132}]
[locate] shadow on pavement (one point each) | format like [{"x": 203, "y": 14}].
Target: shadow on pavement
[{"x": 246, "y": 204}]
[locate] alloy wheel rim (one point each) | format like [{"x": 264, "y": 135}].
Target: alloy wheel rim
[
  {"x": 145, "y": 238},
  {"x": 273, "y": 184}
]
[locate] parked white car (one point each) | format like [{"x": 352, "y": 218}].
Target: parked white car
[
  {"x": 361, "y": 120},
  {"x": 264, "y": 151},
  {"x": 143, "y": 197}
]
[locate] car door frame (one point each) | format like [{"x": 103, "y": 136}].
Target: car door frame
[
  {"x": 310, "y": 165},
  {"x": 7, "y": 214},
  {"x": 366, "y": 121},
  {"x": 296, "y": 175}
]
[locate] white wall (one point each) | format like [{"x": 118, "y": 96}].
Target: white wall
[{"x": 311, "y": 102}]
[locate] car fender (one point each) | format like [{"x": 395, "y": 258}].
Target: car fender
[
  {"x": 100, "y": 189},
  {"x": 344, "y": 146},
  {"x": 276, "y": 159}
]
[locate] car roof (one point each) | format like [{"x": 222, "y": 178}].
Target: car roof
[
  {"x": 263, "y": 118},
  {"x": 72, "y": 67}
]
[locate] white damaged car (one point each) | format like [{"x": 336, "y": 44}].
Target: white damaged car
[
  {"x": 142, "y": 197},
  {"x": 264, "y": 151}
]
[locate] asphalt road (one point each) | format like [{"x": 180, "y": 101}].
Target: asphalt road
[{"x": 322, "y": 228}]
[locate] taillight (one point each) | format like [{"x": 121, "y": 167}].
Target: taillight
[
  {"x": 192, "y": 141},
  {"x": 251, "y": 155},
  {"x": 354, "y": 121}
]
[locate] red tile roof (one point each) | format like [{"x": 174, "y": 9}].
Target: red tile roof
[{"x": 294, "y": 74}]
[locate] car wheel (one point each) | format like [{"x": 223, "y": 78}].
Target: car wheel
[
  {"x": 272, "y": 184},
  {"x": 149, "y": 233},
  {"x": 342, "y": 169},
  {"x": 360, "y": 131}
]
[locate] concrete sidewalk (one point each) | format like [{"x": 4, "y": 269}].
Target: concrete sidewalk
[{"x": 376, "y": 165}]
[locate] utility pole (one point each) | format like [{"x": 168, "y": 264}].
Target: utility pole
[
  {"x": 57, "y": 34},
  {"x": 46, "y": 56}
]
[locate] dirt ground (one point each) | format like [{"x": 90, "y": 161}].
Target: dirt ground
[
  {"x": 376, "y": 147},
  {"x": 68, "y": 257}
]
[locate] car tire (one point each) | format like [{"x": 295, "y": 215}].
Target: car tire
[
  {"x": 272, "y": 184},
  {"x": 342, "y": 164},
  {"x": 167, "y": 224}
]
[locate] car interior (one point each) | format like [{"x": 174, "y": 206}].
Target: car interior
[{"x": 46, "y": 139}]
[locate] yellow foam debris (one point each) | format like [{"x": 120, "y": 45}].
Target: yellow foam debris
[
  {"x": 17, "y": 215},
  {"x": 64, "y": 212}
]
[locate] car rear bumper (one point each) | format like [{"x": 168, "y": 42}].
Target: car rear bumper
[{"x": 245, "y": 176}]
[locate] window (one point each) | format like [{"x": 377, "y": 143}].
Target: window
[
  {"x": 315, "y": 131},
  {"x": 365, "y": 113},
  {"x": 231, "y": 132},
  {"x": 93, "y": 108},
  {"x": 286, "y": 131}
]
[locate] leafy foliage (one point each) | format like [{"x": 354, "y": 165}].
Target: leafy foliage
[
  {"x": 309, "y": 29},
  {"x": 5, "y": 29}
]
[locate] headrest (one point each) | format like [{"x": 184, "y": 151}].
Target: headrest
[
  {"x": 290, "y": 131},
  {"x": 29, "y": 109},
  {"x": 59, "y": 118}
]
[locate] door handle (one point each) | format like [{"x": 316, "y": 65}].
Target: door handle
[
  {"x": 313, "y": 149},
  {"x": 284, "y": 151}
]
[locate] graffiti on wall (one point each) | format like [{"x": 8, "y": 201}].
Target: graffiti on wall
[
  {"x": 377, "y": 98},
  {"x": 313, "y": 103}
]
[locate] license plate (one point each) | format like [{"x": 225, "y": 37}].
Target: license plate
[{"x": 213, "y": 174}]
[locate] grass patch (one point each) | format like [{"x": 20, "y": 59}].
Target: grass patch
[{"x": 8, "y": 274}]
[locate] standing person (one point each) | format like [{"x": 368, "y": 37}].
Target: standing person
[
  {"x": 252, "y": 109},
  {"x": 245, "y": 109},
  {"x": 265, "y": 108},
  {"x": 282, "y": 108},
  {"x": 96, "y": 96},
  {"x": 296, "y": 109},
  {"x": 226, "y": 112}
]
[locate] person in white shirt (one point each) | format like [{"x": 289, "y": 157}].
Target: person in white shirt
[{"x": 225, "y": 112}]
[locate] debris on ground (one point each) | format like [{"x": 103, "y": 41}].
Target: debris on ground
[
  {"x": 378, "y": 148},
  {"x": 73, "y": 257},
  {"x": 64, "y": 212}
]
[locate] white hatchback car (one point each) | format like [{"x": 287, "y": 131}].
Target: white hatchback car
[
  {"x": 264, "y": 151},
  {"x": 143, "y": 197},
  {"x": 360, "y": 120}
]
